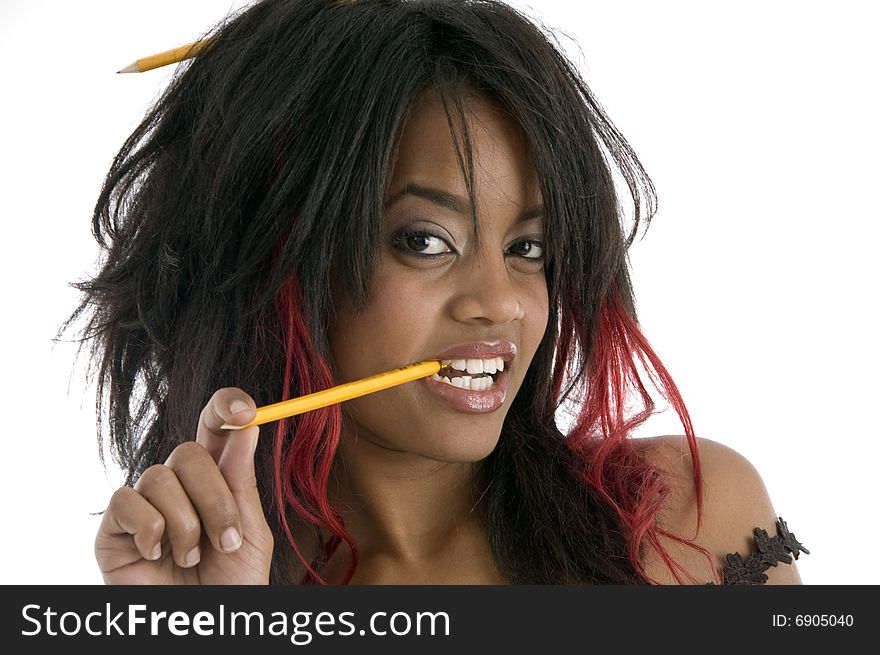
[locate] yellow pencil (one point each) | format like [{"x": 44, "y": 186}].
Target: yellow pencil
[
  {"x": 164, "y": 58},
  {"x": 341, "y": 393},
  {"x": 177, "y": 54}
]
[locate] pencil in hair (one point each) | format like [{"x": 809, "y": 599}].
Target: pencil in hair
[
  {"x": 340, "y": 393},
  {"x": 176, "y": 55},
  {"x": 165, "y": 58}
]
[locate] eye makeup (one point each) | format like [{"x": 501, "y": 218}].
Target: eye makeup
[{"x": 404, "y": 238}]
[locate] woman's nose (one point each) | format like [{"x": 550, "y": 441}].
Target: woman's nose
[{"x": 487, "y": 292}]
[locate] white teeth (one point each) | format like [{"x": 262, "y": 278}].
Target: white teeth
[
  {"x": 467, "y": 382},
  {"x": 474, "y": 366}
]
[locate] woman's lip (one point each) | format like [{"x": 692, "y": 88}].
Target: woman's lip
[
  {"x": 471, "y": 402},
  {"x": 502, "y": 348}
]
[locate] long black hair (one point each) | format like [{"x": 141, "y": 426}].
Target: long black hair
[{"x": 261, "y": 173}]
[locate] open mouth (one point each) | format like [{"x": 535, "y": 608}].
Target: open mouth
[{"x": 470, "y": 374}]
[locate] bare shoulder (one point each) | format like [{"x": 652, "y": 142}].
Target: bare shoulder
[{"x": 735, "y": 502}]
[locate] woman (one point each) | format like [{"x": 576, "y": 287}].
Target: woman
[{"x": 331, "y": 190}]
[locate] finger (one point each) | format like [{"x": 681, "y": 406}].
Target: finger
[
  {"x": 207, "y": 490},
  {"x": 233, "y": 450},
  {"x": 227, "y": 405},
  {"x": 160, "y": 486},
  {"x": 129, "y": 513}
]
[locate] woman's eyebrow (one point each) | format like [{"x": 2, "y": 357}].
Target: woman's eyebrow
[{"x": 450, "y": 200}]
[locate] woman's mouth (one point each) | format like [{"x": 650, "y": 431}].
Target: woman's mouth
[{"x": 470, "y": 385}]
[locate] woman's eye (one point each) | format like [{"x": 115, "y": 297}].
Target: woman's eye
[
  {"x": 530, "y": 249},
  {"x": 426, "y": 244},
  {"x": 422, "y": 243}
]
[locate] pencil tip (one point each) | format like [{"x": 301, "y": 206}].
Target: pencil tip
[{"x": 131, "y": 68}]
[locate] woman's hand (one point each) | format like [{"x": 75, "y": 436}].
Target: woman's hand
[{"x": 197, "y": 518}]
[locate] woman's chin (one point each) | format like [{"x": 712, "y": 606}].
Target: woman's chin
[{"x": 462, "y": 447}]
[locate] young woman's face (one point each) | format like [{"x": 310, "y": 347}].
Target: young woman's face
[{"x": 434, "y": 290}]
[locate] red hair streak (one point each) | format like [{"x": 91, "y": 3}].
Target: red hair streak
[
  {"x": 301, "y": 463},
  {"x": 600, "y": 433}
]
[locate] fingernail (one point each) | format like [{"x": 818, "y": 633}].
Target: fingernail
[
  {"x": 238, "y": 406},
  {"x": 156, "y": 553},
  {"x": 230, "y": 540},
  {"x": 192, "y": 557}
]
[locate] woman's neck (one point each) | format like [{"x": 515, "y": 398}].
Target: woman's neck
[{"x": 402, "y": 506}]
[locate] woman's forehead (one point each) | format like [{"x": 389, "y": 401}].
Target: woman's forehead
[{"x": 427, "y": 158}]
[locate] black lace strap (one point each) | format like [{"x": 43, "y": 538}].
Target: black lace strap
[{"x": 769, "y": 552}]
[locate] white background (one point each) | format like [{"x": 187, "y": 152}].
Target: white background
[{"x": 755, "y": 283}]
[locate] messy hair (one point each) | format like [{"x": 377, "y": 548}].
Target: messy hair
[{"x": 261, "y": 173}]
